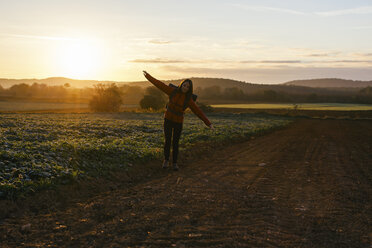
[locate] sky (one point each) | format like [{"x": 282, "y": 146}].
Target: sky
[{"x": 252, "y": 41}]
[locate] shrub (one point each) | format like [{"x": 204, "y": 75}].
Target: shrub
[
  {"x": 205, "y": 107},
  {"x": 106, "y": 98},
  {"x": 153, "y": 99}
]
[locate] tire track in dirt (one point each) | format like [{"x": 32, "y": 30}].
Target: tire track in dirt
[{"x": 313, "y": 191}]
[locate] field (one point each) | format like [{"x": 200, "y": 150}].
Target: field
[
  {"x": 307, "y": 184},
  {"x": 15, "y": 106},
  {"x": 37, "y": 150},
  {"x": 300, "y": 106},
  {"x": 22, "y": 106}
]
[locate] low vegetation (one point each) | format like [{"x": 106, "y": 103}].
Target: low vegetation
[
  {"x": 153, "y": 99},
  {"x": 106, "y": 98},
  {"x": 290, "y": 94},
  {"x": 39, "y": 150},
  {"x": 302, "y": 106},
  {"x": 210, "y": 90},
  {"x": 205, "y": 107}
]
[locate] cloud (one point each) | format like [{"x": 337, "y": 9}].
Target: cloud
[
  {"x": 170, "y": 61},
  {"x": 318, "y": 55},
  {"x": 351, "y": 11},
  {"x": 269, "y": 62},
  {"x": 156, "y": 61},
  {"x": 271, "y": 75},
  {"x": 213, "y": 61},
  {"x": 253, "y": 63},
  {"x": 350, "y": 61},
  {"x": 309, "y": 52},
  {"x": 268, "y": 9},
  {"x": 159, "y": 42},
  {"x": 364, "y": 54},
  {"x": 280, "y": 61},
  {"x": 323, "y": 54},
  {"x": 39, "y": 37},
  {"x": 362, "y": 27}
]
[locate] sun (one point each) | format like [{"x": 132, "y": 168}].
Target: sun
[{"x": 79, "y": 59}]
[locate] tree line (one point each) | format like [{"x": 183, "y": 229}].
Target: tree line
[
  {"x": 66, "y": 93},
  {"x": 216, "y": 93},
  {"x": 109, "y": 97}
]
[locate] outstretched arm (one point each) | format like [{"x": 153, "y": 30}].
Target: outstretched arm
[
  {"x": 199, "y": 113},
  {"x": 159, "y": 84}
]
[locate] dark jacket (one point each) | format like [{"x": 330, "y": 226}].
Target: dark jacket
[{"x": 175, "y": 106}]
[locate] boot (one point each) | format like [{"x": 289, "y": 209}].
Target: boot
[{"x": 165, "y": 164}]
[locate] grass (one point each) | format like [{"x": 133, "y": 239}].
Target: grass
[
  {"x": 37, "y": 150},
  {"x": 34, "y": 106},
  {"x": 300, "y": 106},
  {"x": 30, "y": 106}
]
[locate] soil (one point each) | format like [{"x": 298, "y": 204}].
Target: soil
[
  {"x": 322, "y": 114},
  {"x": 307, "y": 185}
]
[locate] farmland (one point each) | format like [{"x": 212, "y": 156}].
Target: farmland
[
  {"x": 300, "y": 106},
  {"x": 37, "y": 150},
  {"x": 18, "y": 106},
  {"x": 7, "y": 106},
  {"x": 304, "y": 185}
]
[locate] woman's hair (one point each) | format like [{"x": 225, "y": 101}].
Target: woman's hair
[{"x": 188, "y": 93}]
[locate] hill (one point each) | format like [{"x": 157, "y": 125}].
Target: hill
[
  {"x": 52, "y": 81},
  {"x": 329, "y": 87},
  {"x": 251, "y": 88},
  {"x": 199, "y": 82},
  {"x": 297, "y": 86},
  {"x": 330, "y": 83},
  {"x": 211, "y": 90}
]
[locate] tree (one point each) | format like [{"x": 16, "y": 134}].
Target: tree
[
  {"x": 205, "y": 107},
  {"x": 106, "y": 98},
  {"x": 131, "y": 94},
  {"x": 364, "y": 95},
  {"x": 270, "y": 95},
  {"x": 366, "y": 91},
  {"x": 211, "y": 92},
  {"x": 312, "y": 97},
  {"x": 20, "y": 90},
  {"x": 234, "y": 93},
  {"x": 153, "y": 99}
]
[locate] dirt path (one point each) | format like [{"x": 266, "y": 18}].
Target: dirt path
[{"x": 314, "y": 190}]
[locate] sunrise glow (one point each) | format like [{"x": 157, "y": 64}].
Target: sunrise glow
[
  {"x": 253, "y": 41},
  {"x": 79, "y": 60}
]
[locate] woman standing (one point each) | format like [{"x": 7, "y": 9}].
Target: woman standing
[{"x": 179, "y": 99}]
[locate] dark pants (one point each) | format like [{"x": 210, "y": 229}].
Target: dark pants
[{"x": 171, "y": 127}]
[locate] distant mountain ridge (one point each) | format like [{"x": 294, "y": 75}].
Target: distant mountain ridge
[
  {"x": 52, "y": 81},
  {"x": 250, "y": 88},
  {"x": 330, "y": 83},
  {"x": 217, "y": 89},
  {"x": 198, "y": 82},
  {"x": 316, "y": 86}
]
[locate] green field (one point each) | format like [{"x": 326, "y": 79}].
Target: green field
[
  {"x": 7, "y": 106},
  {"x": 25, "y": 106},
  {"x": 300, "y": 106},
  {"x": 37, "y": 150}
]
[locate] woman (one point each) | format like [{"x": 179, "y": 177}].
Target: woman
[{"x": 179, "y": 99}]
